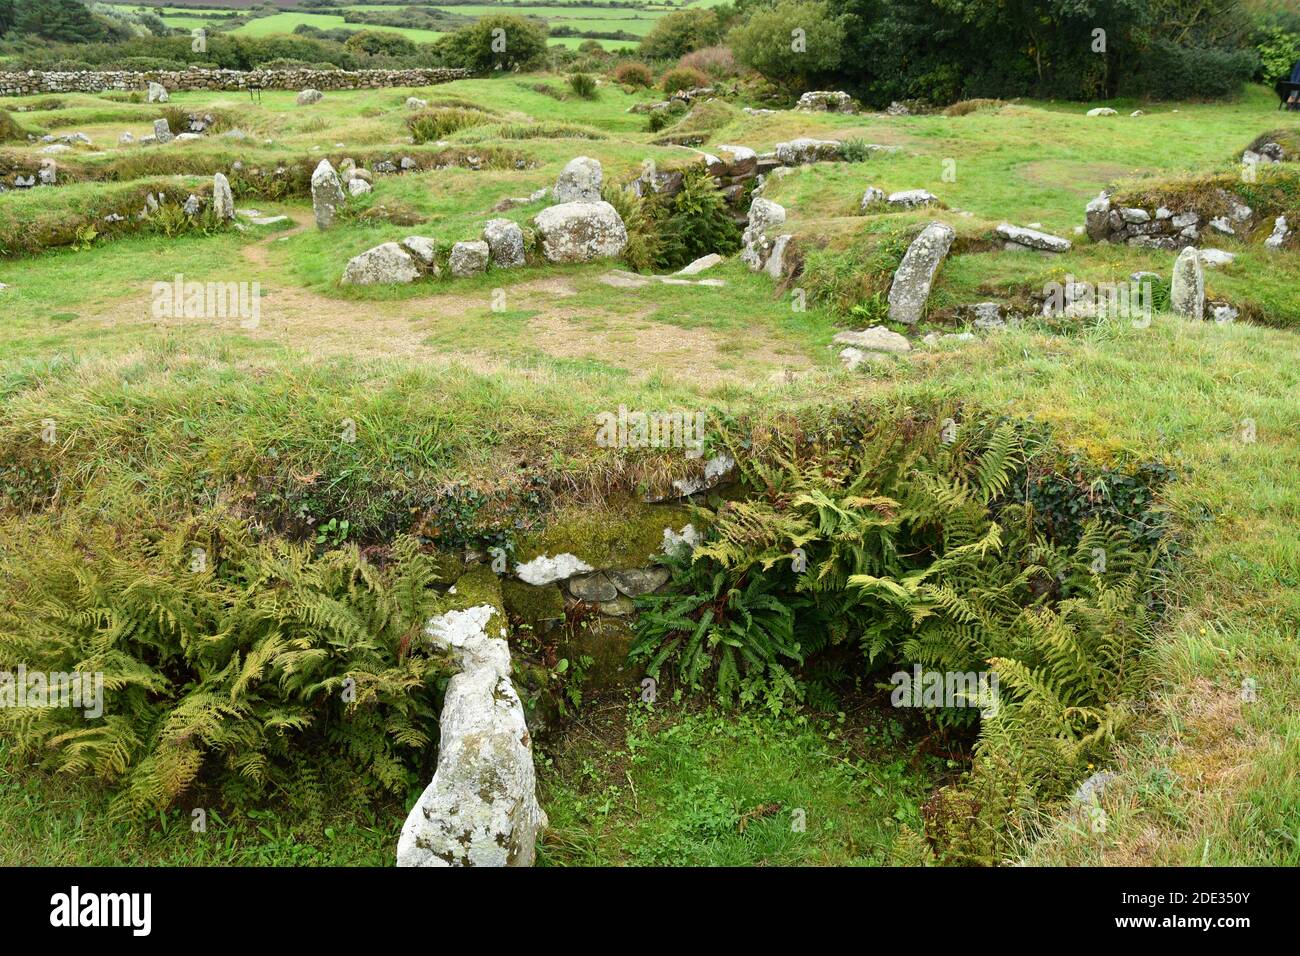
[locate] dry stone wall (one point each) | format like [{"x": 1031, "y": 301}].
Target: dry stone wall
[{"x": 35, "y": 82}]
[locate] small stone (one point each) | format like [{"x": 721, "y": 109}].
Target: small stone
[
  {"x": 639, "y": 581},
  {"x": 1187, "y": 292},
  {"x": 545, "y": 570},
  {"x": 386, "y": 264},
  {"x": 309, "y": 96},
  {"x": 875, "y": 339},
  {"x": 700, "y": 264},
  {"x": 505, "y": 242},
  {"x": 592, "y": 587},
  {"x": 1212, "y": 258},
  {"x": 468, "y": 259},
  {"x": 874, "y": 196},
  {"x": 358, "y": 187},
  {"x": 912, "y": 197}
]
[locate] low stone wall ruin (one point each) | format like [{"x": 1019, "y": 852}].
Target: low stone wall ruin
[{"x": 35, "y": 82}]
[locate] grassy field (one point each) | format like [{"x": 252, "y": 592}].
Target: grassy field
[{"x": 166, "y": 417}]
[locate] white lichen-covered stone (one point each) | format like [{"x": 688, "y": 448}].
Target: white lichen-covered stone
[
  {"x": 505, "y": 243},
  {"x": 423, "y": 248},
  {"x": 161, "y": 131},
  {"x": 915, "y": 274},
  {"x": 547, "y": 570},
  {"x": 481, "y": 807},
  {"x": 1033, "y": 238},
  {"x": 157, "y": 93},
  {"x": 1279, "y": 234},
  {"x": 358, "y": 187},
  {"x": 468, "y": 259},
  {"x": 875, "y": 339},
  {"x": 827, "y": 101},
  {"x": 309, "y": 96},
  {"x": 386, "y": 264},
  {"x": 326, "y": 194},
  {"x": 580, "y": 232},
  {"x": 579, "y": 181},
  {"x": 800, "y": 151},
  {"x": 699, "y": 265},
  {"x": 415, "y": 103},
  {"x": 912, "y": 197},
  {"x": 1213, "y": 258},
  {"x": 764, "y": 216},
  {"x": 1187, "y": 291},
  {"x": 1101, "y": 111},
  {"x": 874, "y": 196},
  {"x": 686, "y": 539},
  {"x": 716, "y": 469}
]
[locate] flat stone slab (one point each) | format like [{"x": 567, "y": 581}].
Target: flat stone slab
[
  {"x": 875, "y": 339},
  {"x": 1033, "y": 238},
  {"x": 915, "y": 274}
]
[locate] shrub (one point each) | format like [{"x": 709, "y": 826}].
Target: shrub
[
  {"x": 854, "y": 150},
  {"x": 966, "y": 107},
  {"x": 379, "y": 43},
  {"x": 429, "y": 126},
  {"x": 1171, "y": 72},
  {"x": 681, "y": 32},
  {"x": 1278, "y": 50},
  {"x": 640, "y": 217},
  {"x": 227, "y": 668},
  {"x": 633, "y": 74},
  {"x": 698, "y": 221},
  {"x": 683, "y": 79},
  {"x": 583, "y": 85},
  {"x": 658, "y": 120},
  {"x": 717, "y": 61}
]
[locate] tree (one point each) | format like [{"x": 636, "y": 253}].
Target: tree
[
  {"x": 63, "y": 21},
  {"x": 7, "y": 16},
  {"x": 380, "y": 43},
  {"x": 791, "y": 43},
  {"x": 498, "y": 42}
]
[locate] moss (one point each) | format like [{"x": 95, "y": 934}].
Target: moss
[
  {"x": 479, "y": 585},
  {"x": 617, "y": 537},
  {"x": 533, "y": 605},
  {"x": 606, "y": 642}
]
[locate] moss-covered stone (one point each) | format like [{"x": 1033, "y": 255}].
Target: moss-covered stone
[
  {"x": 617, "y": 537},
  {"x": 477, "y": 586},
  {"x": 606, "y": 641},
  {"x": 538, "y": 607}
]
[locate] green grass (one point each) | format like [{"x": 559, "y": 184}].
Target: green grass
[{"x": 163, "y": 418}]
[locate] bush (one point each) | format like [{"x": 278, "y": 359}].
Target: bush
[
  {"x": 966, "y": 107},
  {"x": 429, "y": 126},
  {"x": 683, "y": 79},
  {"x": 633, "y": 74},
  {"x": 763, "y": 42},
  {"x": 379, "y": 43},
  {"x": 9, "y": 130},
  {"x": 1172, "y": 72},
  {"x": 698, "y": 221},
  {"x": 658, "y": 120},
  {"x": 1278, "y": 51},
  {"x": 583, "y": 85},
  {"x": 681, "y": 32},
  {"x": 717, "y": 61}
]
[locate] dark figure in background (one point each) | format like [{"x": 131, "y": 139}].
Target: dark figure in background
[{"x": 1290, "y": 89}]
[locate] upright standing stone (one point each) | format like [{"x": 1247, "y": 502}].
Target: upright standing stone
[
  {"x": 481, "y": 807},
  {"x": 915, "y": 274},
  {"x": 1187, "y": 292},
  {"x": 580, "y": 181},
  {"x": 161, "y": 131},
  {"x": 49, "y": 174},
  {"x": 764, "y": 215},
  {"x": 506, "y": 241},
  {"x": 326, "y": 194},
  {"x": 223, "y": 201},
  {"x": 157, "y": 93}
]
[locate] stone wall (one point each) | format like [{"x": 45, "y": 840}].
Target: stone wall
[{"x": 35, "y": 82}]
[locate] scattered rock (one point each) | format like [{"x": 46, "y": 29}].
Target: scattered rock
[
  {"x": 592, "y": 587},
  {"x": 415, "y": 103},
  {"x": 1101, "y": 111},
  {"x": 1223, "y": 313},
  {"x": 897, "y": 109},
  {"x": 801, "y": 151},
  {"x": 912, "y": 197},
  {"x": 48, "y": 173},
  {"x": 386, "y": 264},
  {"x": 1187, "y": 293},
  {"x": 126, "y": 139},
  {"x": 358, "y": 187},
  {"x": 1212, "y": 258},
  {"x": 826, "y": 101},
  {"x": 309, "y": 96},
  {"x": 580, "y": 181},
  {"x": 192, "y": 205},
  {"x": 875, "y": 339},
  {"x": 639, "y": 581},
  {"x": 580, "y": 232},
  {"x": 468, "y": 259},
  {"x": 481, "y": 807},
  {"x": 424, "y": 249},
  {"x": 915, "y": 274},
  {"x": 874, "y": 196},
  {"x": 700, "y": 264},
  {"x": 1279, "y": 235},
  {"x": 505, "y": 243},
  {"x": 326, "y": 194},
  {"x": 1222, "y": 225}
]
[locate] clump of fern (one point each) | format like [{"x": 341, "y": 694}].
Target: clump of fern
[{"x": 223, "y": 657}]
